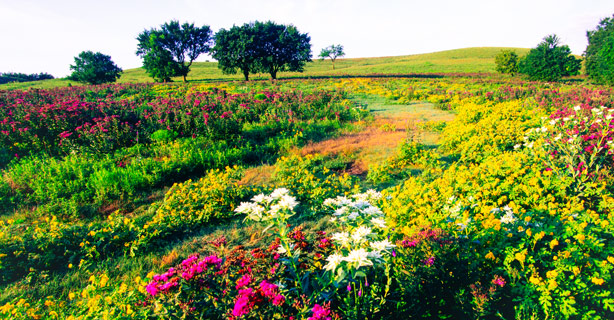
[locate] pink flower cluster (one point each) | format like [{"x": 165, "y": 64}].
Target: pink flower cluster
[
  {"x": 249, "y": 297},
  {"x": 190, "y": 268},
  {"x": 321, "y": 312}
]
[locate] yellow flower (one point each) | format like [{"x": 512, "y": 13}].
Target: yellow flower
[
  {"x": 490, "y": 256},
  {"x": 597, "y": 281},
  {"x": 553, "y": 243},
  {"x": 535, "y": 280},
  {"x": 575, "y": 270},
  {"x": 552, "y": 285},
  {"x": 611, "y": 259},
  {"x": 103, "y": 280},
  {"x": 552, "y": 274},
  {"x": 520, "y": 256},
  {"x": 71, "y": 296}
]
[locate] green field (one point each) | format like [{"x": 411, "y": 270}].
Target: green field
[{"x": 468, "y": 60}]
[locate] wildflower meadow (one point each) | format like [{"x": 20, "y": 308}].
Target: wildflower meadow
[{"x": 200, "y": 201}]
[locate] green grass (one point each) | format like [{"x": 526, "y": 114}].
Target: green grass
[{"x": 468, "y": 60}]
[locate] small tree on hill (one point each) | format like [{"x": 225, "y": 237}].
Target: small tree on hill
[
  {"x": 94, "y": 68},
  {"x": 332, "y": 52},
  {"x": 549, "y": 61},
  {"x": 507, "y": 62},
  {"x": 172, "y": 49},
  {"x": 599, "y": 53}
]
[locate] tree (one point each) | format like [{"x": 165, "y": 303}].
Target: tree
[
  {"x": 282, "y": 48},
  {"x": 261, "y": 47},
  {"x": 170, "y": 51},
  {"x": 94, "y": 68},
  {"x": 237, "y": 48},
  {"x": 549, "y": 61},
  {"x": 332, "y": 52},
  {"x": 507, "y": 62},
  {"x": 599, "y": 54}
]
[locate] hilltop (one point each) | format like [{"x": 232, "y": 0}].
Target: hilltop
[{"x": 466, "y": 60}]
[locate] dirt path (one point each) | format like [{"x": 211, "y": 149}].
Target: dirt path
[{"x": 381, "y": 138}]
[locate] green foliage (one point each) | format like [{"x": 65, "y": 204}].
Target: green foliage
[
  {"x": 94, "y": 68},
  {"x": 261, "y": 47},
  {"x": 507, "y": 62},
  {"x": 332, "y": 52},
  {"x": 549, "y": 61},
  {"x": 6, "y": 77},
  {"x": 599, "y": 53},
  {"x": 170, "y": 51}
]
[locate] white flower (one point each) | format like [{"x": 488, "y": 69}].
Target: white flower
[
  {"x": 333, "y": 262},
  {"x": 259, "y": 198},
  {"x": 383, "y": 245},
  {"x": 508, "y": 217},
  {"x": 379, "y": 222},
  {"x": 353, "y": 215},
  {"x": 577, "y": 108},
  {"x": 281, "y": 249},
  {"x": 287, "y": 202},
  {"x": 279, "y": 192},
  {"x": 244, "y": 207},
  {"x": 375, "y": 255},
  {"x": 557, "y": 138},
  {"x": 341, "y": 211},
  {"x": 359, "y": 235},
  {"x": 330, "y": 202},
  {"x": 544, "y": 129},
  {"x": 342, "y": 238},
  {"x": 517, "y": 146},
  {"x": 360, "y": 204},
  {"x": 360, "y": 257},
  {"x": 372, "y": 210},
  {"x": 529, "y": 145}
]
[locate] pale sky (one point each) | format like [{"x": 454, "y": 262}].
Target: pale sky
[{"x": 45, "y": 35}]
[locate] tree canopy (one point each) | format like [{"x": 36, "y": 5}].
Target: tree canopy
[
  {"x": 94, "y": 68},
  {"x": 549, "y": 61},
  {"x": 261, "y": 47},
  {"x": 599, "y": 53},
  {"x": 170, "y": 51},
  {"x": 332, "y": 52}
]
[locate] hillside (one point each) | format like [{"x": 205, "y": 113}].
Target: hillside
[{"x": 467, "y": 60}]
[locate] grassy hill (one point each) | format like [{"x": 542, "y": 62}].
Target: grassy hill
[{"x": 468, "y": 60}]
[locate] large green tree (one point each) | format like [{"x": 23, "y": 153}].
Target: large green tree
[
  {"x": 261, "y": 47},
  {"x": 599, "y": 54},
  {"x": 549, "y": 61},
  {"x": 237, "y": 49},
  {"x": 94, "y": 68},
  {"x": 171, "y": 50},
  {"x": 332, "y": 52}
]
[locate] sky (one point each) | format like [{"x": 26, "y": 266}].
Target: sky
[{"x": 45, "y": 35}]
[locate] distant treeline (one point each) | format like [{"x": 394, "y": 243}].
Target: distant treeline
[{"x": 21, "y": 77}]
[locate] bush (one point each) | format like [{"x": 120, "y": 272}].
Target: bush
[
  {"x": 549, "y": 61},
  {"x": 506, "y": 61},
  {"x": 94, "y": 68}
]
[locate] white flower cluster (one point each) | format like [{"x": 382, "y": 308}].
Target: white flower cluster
[
  {"x": 357, "y": 210},
  {"x": 360, "y": 245},
  {"x": 269, "y": 207},
  {"x": 508, "y": 217}
]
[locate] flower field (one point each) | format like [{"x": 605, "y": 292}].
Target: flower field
[{"x": 128, "y": 202}]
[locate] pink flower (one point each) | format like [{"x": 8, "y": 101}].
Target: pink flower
[
  {"x": 243, "y": 281},
  {"x": 320, "y": 313}
]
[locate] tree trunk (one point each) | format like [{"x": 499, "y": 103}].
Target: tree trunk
[
  {"x": 333, "y": 64},
  {"x": 273, "y": 75},
  {"x": 246, "y": 75},
  {"x": 186, "y": 80}
]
